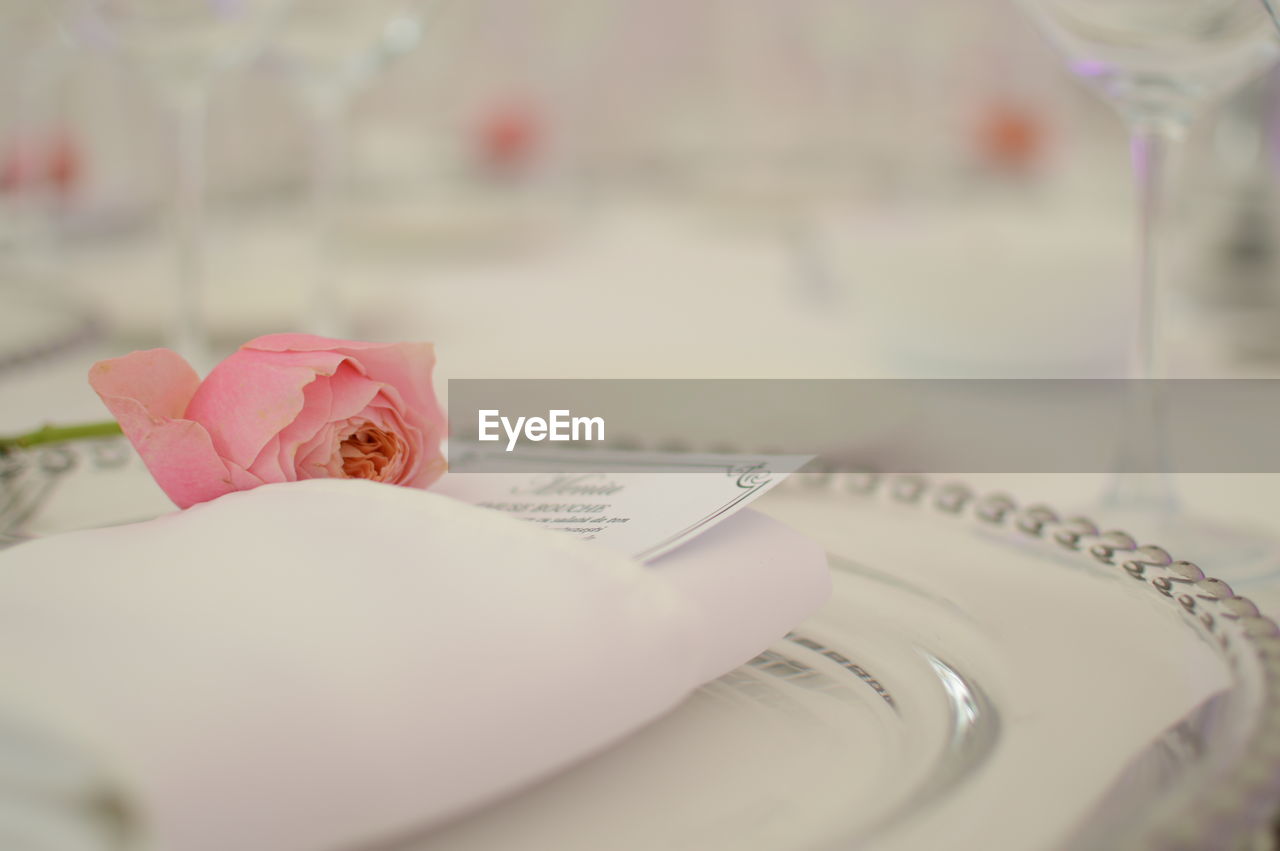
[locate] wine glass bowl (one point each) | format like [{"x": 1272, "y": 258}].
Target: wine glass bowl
[
  {"x": 328, "y": 49},
  {"x": 180, "y": 46},
  {"x": 184, "y": 42},
  {"x": 1158, "y": 60},
  {"x": 338, "y": 42}
]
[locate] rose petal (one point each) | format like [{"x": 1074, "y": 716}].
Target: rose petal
[
  {"x": 147, "y": 393},
  {"x": 251, "y": 397},
  {"x": 332, "y": 399},
  {"x": 267, "y": 465},
  {"x": 181, "y": 458},
  {"x": 429, "y": 471},
  {"x": 159, "y": 380},
  {"x": 179, "y": 454},
  {"x": 318, "y": 458},
  {"x": 352, "y": 392},
  {"x": 405, "y": 366},
  {"x": 316, "y": 413},
  {"x": 308, "y": 343}
]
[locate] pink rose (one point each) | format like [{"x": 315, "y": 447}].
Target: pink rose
[{"x": 284, "y": 407}]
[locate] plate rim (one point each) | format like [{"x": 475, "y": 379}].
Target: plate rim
[{"x": 1241, "y": 797}]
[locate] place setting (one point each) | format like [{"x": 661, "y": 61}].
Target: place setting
[{"x": 662, "y": 527}]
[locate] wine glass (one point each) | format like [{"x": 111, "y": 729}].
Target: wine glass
[
  {"x": 180, "y": 46},
  {"x": 329, "y": 49},
  {"x": 1158, "y": 62}
]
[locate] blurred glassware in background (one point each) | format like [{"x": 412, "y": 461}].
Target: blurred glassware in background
[
  {"x": 38, "y": 159},
  {"x": 1158, "y": 62},
  {"x": 746, "y": 112},
  {"x": 1237, "y": 284},
  {"x": 40, "y": 168},
  {"x": 180, "y": 46},
  {"x": 330, "y": 49},
  {"x": 795, "y": 132},
  {"x": 1246, "y": 149},
  {"x": 514, "y": 101}
]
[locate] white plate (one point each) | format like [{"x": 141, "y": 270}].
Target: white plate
[
  {"x": 985, "y": 676},
  {"x": 842, "y": 730},
  {"x": 965, "y": 688}
]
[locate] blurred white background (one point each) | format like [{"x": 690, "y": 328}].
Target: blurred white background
[{"x": 758, "y": 188}]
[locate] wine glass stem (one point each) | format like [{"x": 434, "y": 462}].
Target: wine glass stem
[
  {"x": 37, "y": 78},
  {"x": 1148, "y": 151},
  {"x": 1142, "y": 478},
  {"x": 328, "y": 118},
  {"x": 189, "y": 331},
  {"x": 1272, "y": 10}
]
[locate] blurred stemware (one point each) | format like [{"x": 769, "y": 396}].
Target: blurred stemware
[
  {"x": 32, "y": 58},
  {"x": 1158, "y": 62},
  {"x": 39, "y": 180},
  {"x": 329, "y": 50},
  {"x": 180, "y": 46}
]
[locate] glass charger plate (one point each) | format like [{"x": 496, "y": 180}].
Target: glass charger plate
[{"x": 986, "y": 675}]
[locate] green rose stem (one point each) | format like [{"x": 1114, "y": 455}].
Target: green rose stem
[{"x": 46, "y": 435}]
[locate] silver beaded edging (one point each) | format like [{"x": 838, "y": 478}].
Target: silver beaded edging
[{"x": 1245, "y": 794}]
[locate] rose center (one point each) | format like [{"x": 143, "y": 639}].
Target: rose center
[{"x": 368, "y": 453}]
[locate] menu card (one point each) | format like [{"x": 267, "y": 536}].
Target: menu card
[{"x": 641, "y": 504}]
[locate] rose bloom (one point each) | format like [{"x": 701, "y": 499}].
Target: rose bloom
[{"x": 284, "y": 407}]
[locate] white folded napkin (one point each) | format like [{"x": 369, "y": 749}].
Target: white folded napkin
[{"x": 321, "y": 664}]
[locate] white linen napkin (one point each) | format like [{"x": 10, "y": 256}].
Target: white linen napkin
[{"x": 321, "y": 664}]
